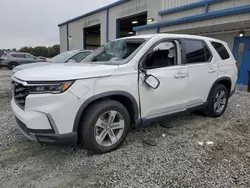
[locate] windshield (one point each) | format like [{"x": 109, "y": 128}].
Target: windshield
[
  {"x": 61, "y": 58},
  {"x": 116, "y": 52}
]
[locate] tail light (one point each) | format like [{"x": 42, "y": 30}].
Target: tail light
[{"x": 3, "y": 57}]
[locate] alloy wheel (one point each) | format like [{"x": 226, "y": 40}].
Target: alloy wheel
[
  {"x": 109, "y": 128},
  {"x": 220, "y": 101}
]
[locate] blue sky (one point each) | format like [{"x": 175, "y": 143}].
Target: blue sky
[{"x": 34, "y": 22}]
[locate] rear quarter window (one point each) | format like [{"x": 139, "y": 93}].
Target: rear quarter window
[
  {"x": 196, "y": 51},
  {"x": 221, "y": 49}
]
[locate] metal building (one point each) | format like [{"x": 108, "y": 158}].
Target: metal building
[{"x": 228, "y": 20}]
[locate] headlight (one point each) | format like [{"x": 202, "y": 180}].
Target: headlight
[{"x": 54, "y": 88}]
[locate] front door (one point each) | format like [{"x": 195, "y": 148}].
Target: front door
[
  {"x": 242, "y": 55},
  {"x": 29, "y": 58},
  {"x": 163, "y": 63}
]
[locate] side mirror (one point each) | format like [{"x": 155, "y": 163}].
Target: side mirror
[{"x": 152, "y": 81}]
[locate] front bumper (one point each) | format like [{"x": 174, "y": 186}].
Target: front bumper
[
  {"x": 46, "y": 136},
  {"x": 48, "y": 118}
]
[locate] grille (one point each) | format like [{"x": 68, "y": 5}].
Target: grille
[{"x": 20, "y": 94}]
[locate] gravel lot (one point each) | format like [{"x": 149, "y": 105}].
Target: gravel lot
[{"x": 182, "y": 158}]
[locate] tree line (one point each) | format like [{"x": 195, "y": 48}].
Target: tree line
[{"x": 37, "y": 51}]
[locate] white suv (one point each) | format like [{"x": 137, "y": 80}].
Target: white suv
[{"x": 130, "y": 81}]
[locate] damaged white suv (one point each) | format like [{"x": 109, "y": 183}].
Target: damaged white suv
[{"x": 130, "y": 81}]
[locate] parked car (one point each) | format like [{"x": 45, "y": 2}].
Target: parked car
[
  {"x": 129, "y": 81},
  {"x": 73, "y": 56},
  {"x": 13, "y": 59}
]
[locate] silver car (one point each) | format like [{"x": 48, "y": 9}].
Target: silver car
[
  {"x": 73, "y": 56},
  {"x": 13, "y": 59}
]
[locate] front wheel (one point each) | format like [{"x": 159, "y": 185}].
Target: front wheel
[
  {"x": 217, "y": 102},
  {"x": 105, "y": 126}
]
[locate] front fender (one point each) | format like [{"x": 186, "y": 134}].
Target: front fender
[{"x": 103, "y": 95}]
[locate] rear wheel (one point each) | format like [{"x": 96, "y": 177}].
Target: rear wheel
[
  {"x": 105, "y": 126},
  {"x": 218, "y": 100},
  {"x": 12, "y": 65}
]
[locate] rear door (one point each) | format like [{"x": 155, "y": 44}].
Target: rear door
[
  {"x": 163, "y": 62},
  {"x": 202, "y": 70},
  {"x": 18, "y": 58}
]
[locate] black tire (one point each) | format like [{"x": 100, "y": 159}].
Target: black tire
[
  {"x": 210, "y": 110},
  {"x": 87, "y": 133},
  {"x": 12, "y": 65}
]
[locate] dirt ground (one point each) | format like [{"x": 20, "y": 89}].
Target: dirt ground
[{"x": 196, "y": 152}]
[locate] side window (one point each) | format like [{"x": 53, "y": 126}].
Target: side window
[
  {"x": 222, "y": 51},
  {"x": 79, "y": 57},
  {"x": 162, "y": 55},
  {"x": 18, "y": 55},
  {"x": 196, "y": 51},
  {"x": 29, "y": 56}
]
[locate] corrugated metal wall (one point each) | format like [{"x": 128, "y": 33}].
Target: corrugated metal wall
[
  {"x": 149, "y": 31},
  {"x": 124, "y": 10},
  {"x": 183, "y": 14},
  {"x": 76, "y": 28},
  {"x": 152, "y": 7},
  {"x": 212, "y": 25},
  {"x": 228, "y": 37},
  {"x": 63, "y": 41},
  {"x": 228, "y": 4},
  {"x": 167, "y": 4},
  {"x": 121, "y": 11},
  {"x": 215, "y": 24}
]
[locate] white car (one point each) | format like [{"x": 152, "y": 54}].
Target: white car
[
  {"x": 130, "y": 81},
  {"x": 73, "y": 56}
]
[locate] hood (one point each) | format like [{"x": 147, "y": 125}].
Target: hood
[
  {"x": 30, "y": 65},
  {"x": 68, "y": 71}
]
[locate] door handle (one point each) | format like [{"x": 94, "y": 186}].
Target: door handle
[
  {"x": 178, "y": 75},
  {"x": 184, "y": 75},
  {"x": 212, "y": 71}
]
